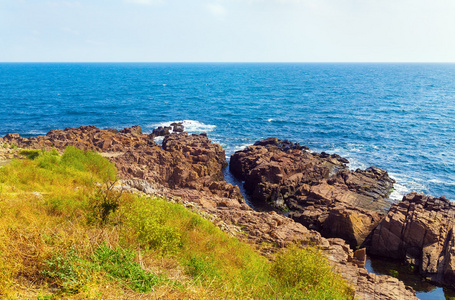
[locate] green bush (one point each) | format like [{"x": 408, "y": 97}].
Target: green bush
[
  {"x": 30, "y": 153},
  {"x": 67, "y": 271},
  {"x": 48, "y": 159},
  {"x": 306, "y": 274},
  {"x": 120, "y": 264},
  {"x": 151, "y": 221},
  {"x": 87, "y": 161},
  {"x": 202, "y": 267},
  {"x": 103, "y": 203}
]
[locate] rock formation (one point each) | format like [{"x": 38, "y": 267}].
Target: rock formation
[
  {"x": 86, "y": 138},
  {"x": 420, "y": 231},
  {"x": 189, "y": 168},
  {"x": 318, "y": 189}
]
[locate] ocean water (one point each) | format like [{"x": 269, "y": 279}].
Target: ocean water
[{"x": 400, "y": 117}]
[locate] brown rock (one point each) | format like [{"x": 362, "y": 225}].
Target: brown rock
[
  {"x": 318, "y": 189},
  {"x": 419, "y": 230},
  {"x": 86, "y": 138}
]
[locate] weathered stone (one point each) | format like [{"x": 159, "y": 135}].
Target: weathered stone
[
  {"x": 318, "y": 189},
  {"x": 162, "y": 131},
  {"x": 420, "y": 231},
  {"x": 178, "y": 127},
  {"x": 134, "y": 130}
]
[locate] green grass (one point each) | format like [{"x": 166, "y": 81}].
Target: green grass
[{"x": 65, "y": 232}]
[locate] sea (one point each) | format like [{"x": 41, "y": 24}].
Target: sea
[{"x": 399, "y": 117}]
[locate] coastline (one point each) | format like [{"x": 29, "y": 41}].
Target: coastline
[{"x": 203, "y": 201}]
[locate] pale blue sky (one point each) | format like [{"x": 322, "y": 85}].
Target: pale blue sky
[{"x": 227, "y": 30}]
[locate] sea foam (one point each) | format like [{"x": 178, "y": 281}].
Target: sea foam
[{"x": 191, "y": 126}]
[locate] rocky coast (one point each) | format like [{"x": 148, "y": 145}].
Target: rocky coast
[{"x": 345, "y": 213}]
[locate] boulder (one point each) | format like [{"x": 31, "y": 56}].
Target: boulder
[
  {"x": 162, "y": 131},
  {"x": 318, "y": 189},
  {"x": 134, "y": 130},
  {"x": 178, "y": 127},
  {"x": 419, "y": 230}
]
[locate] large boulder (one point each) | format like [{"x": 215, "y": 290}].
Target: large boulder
[
  {"x": 420, "y": 231},
  {"x": 183, "y": 161},
  {"x": 317, "y": 188}
]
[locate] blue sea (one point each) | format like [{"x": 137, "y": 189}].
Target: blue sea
[{"x": 400, "y": 117}]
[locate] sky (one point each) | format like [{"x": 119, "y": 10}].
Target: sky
[{"x": 227, "y": 31}]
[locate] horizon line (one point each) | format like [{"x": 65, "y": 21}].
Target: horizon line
[{"x": 229, "y": 62}]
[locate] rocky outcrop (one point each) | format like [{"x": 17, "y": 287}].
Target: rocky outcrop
[
  {"x": 184, "y": 161},
  {"x": 420, "y": 231},
  {"x": 318, "y": 189},
  {"x": 86, "y": 138},
  {"x": 189, "y": 168}
]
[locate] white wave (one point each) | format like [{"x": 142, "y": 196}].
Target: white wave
[
  {"x": 158, "y": 140},
  {"x": 35, "y": 132},
  {"x": 354, "y": 163},
  {"x": 270, "y": 120},
  {"x": 190, "y": 126},
  {"x": 399, "y": 191},
  {"x": 405, "y": 185},
  {"x": 231, "y": 150},
  {"x": 438, "y": 181},
  {"x": 241, "y": 147}
]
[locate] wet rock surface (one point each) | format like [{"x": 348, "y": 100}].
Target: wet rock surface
[
  {"x": 318, "y": 189},
  {"x": 419, "y": 230},
  {"x": 188, "y": 169}
]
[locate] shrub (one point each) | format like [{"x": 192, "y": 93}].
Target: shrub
[
  {"x": 30, "y": 153},
  {"x": 104, "y": 202},
  {"x": 202, "y": 267},
  {"x": 48, "y": 159},
  {"x": 119, "y": 264},
  {"x": 67, "y": 271},
  {"x": 151, "y": 222},
  {"x": 306, "y": 274}
]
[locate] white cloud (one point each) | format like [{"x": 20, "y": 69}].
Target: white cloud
[{"x": 217, "y": 9}]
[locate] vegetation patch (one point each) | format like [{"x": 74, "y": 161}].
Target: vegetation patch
[
  {"x": 66, "y": 232},
  {"x": 120, "y": 264}
]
